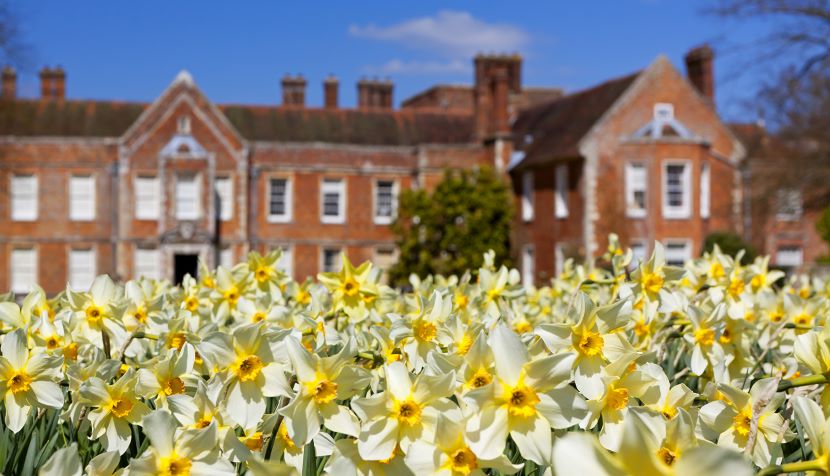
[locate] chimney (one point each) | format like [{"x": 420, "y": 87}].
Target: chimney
[
  {"x": 330, "y": 86},
  {"x": 374, "y": 94},
  {"x": 46, "y": 83},
  {"x": 9, "y": 83},
  {"x": 496, "y": 78},
  {"x": 59, "y": 83},
  {"x": 700, "y": 72},
  {"x": 293, "y": 91}
]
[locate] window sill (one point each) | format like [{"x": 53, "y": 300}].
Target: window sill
[
  {"x": 332, "y": 221},
  {"x": 383, "y": 220},
  {"x": 279, "y": 219}
]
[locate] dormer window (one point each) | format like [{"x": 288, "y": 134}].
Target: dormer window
[
  {"x": 663, "y": 112},
  {"x": 184, "y": 125}
]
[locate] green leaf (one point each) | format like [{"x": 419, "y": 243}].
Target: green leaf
[{"x": 31, "y": 454}]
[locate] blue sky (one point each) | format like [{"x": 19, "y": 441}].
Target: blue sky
[{"x": 238, "y": 51}]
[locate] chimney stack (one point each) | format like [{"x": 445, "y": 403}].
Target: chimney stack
[
  {"x": 700, "y": 71},
  {"x": 59, "y": 83},
  {"x": 330, "y": 87},
  {"x": 293, "y": 91},
  {"x": 46, "y": 81},
  {"x": 496, "y": 78},
  {"x": 9, "y": 83},
  {"x": 374, "y": 94}
]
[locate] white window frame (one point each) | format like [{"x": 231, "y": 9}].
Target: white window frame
[
  {"x": 76, "y": 278},
  {"x": 185, "y": 214},
  {"x": 139, "y": 251},
  {"x": 24, "y": 203},
  {"x": 705, "y": 190},
  {"x": 337, "y": 261},
  {"x": 77, "y": 210},
  {"x": 794, "y": 251},
  {"x": 683, "y": 211},
  {"x": 226, "y": 258},
  {"x": 384, "y": 220},
  {"x": 528, "y": 265},
  {"x": 223, "y": 185},
  {"x": 333, "y": 185},
  {"x": 21, "y": 283},
  {"x": 631, "y": 189},
  {"x": 643, "y": 257},
  {"x": 560, "y": 196},
  {"x": 286, "y": 261},
  {"x": 558, "y": 259},
  {"x": 670, "y": 242},
  {"x": 147, "y": 201},
  {"x": 780, "y": 196},
  {"x": 527, "y": 196},
  {"x": 289, "y": 202}
]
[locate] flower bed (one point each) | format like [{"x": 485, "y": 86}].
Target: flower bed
[{"x": 713, "y": 368}]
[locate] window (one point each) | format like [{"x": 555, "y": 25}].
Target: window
[
  {"x": 639, "y": 253},
  {"x": 678, "y": 252},
  {"x": 224, "y": 192},
  {"x": 332, "y": 199},
  {"x": 528, "y": 265},
  {"x": 23, "y": 270},
  {"x": 386, "y": 201},
  {"x": 676, "y": 200},
  {"x": 789, "y": 256},
  {"x": 559, "y": 258},
  {"x": 226, "y": 257},
  {"x": 279, "y": 200},
  {"x": 705, "y": 191},
  {"x": 384, "y": 259},
  {"x": 183, "y": 125},
  {"x": 561, "y": 196},
  {"x": 81, "y": 268},
  {"x": 636, "y": 184},
  {"x": 286, "y": 262},
  {"x": 330, "y": 260},
  {"x": 24, "y": 197},
  {"x": 187, "y": 197},
  {"x": 82, "y": 198},
  {"x": 147, "y": 198},
  {"x": 663, "y": 112},
  {"x": 527, "y": 196},
  {"x": 789, "y": 204},
  {"x": 147, "y": 263}
]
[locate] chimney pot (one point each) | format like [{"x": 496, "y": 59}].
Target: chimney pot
[
  {"x": 59, "y": 83},
  {"x": 330, "y": 87},
  {"x": 293, "y": 91},
  {"x": 46, "y": 83},
  {"x": 9, "y": 83},
  {"x": 699, "y": 68}
]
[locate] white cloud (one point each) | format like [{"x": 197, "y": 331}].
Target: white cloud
[
  {"x": 450, "y": 33},
  {"x": 397, "y": 66}
]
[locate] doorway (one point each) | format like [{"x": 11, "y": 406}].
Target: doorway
[{"x": 184, "y": 264}]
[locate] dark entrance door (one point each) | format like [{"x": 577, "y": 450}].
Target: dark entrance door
[{"x": 185, "y": 264}]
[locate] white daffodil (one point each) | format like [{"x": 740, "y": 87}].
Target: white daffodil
[
  {"x": 27, "y": 379},
  {"x": 406, "y": 412},
  {"x": 322, "y": 383},
  {"x": 449, "y": 454},
  {"x": 525, "y": 400},
  {"x": 178, "y": 452},
  {"x": 249, "y": 370},
  {"x": 114, "y": 407},
  {"x": 167, "y": 376}
]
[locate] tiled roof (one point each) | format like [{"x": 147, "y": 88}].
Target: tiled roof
[
  {"x": 552, "y": 130},
  {"x": 350, "y": 126},
  {"x": 26, "y": 117},
  {"x": 262, "y": 123}
]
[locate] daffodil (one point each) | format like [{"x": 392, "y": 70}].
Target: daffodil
[
  {"x": 27, "y": 380},
  {"x": 654, "y": 274},
  {"x": 322, "y": 383},
  {"x": 349, "y": 288},
  {"x": 166, "y": 377},
  {"x": 113, "y": 408},
  {"x": 525, "y": 400},
  {"x": 179, "y": 452},
  {"x": 405, "y": 412}
]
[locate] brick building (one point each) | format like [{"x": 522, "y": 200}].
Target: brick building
[
  {"x": 644, "y": 155},
  {"x": 90, "y": 187}
]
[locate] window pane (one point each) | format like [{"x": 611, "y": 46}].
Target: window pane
[
  {"x": 147, "y": 200},
  {"x": 277, "y": 201},
  {"x": 81, "y": 198},
  {"x": 224, "y": 190},
  {"x": 187, "y": 197},
  {"x": 81, "y": 268},
  {"x": 147, "y": 263},
  {"x": 789, "y": 256},
  {"x": 24, "y": 197},
  {"x": 384, "y": 200},
  {"x": 332, "y": 201},
  {"x": 677, "y": 253},
  {"x": 23, "y": 270},
  {"x": 331, "y": 260},
  {"x": 561, "y": 196}
]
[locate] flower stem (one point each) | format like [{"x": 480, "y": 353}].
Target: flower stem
[
  {"x": 800, "y": 466},
  {"x": 802, "y": 381}
]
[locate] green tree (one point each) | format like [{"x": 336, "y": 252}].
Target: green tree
[
  {"x": 448, "y": 231},
  {"x": 823, "y": 225},
  {"x": 730, "y": 244}
]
